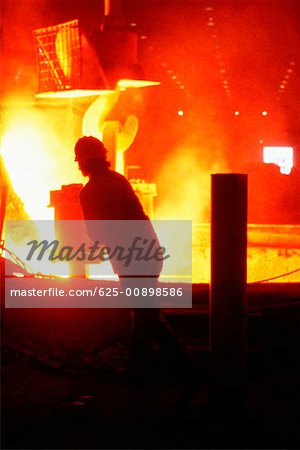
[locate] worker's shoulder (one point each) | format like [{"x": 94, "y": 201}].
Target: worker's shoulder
[
  {"x": 107, "y": 180},
  {"x": 118, "y": 181},
  {"x": 85, "y": 190},
  {"x": 117, "y": 176}
]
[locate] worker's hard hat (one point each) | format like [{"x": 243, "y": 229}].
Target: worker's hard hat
[{"x": 89, "y": 147}]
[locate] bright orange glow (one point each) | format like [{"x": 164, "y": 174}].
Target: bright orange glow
[
  {"x": 38, "y": 156},
  {"x": 21, "y": 148},
  {"x": 189, "y": 199},
  {"x": 39, "y": 160},
  {"x": 17, "y": 244},
  {"x": 66, "y": 35},
  {"x": 96, "y": 113},
  {"x": 126, "y": 83},
  {"x": 272, "y": 250},
  {"x": 117, "y": 137},
  {"x": 73, "y": 93}
]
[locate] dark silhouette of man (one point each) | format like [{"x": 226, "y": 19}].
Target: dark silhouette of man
[{"x": 108, "y": 196}]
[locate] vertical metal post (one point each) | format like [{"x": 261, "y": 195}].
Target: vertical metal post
[{"x": 228, "y": 306}]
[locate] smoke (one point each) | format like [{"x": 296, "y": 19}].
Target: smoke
[
  {"x": 184, "y": 184},
  {"x": 250, "y": 47}
]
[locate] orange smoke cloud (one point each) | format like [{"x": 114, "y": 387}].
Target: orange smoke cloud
[{"x": 184, "y": 185}]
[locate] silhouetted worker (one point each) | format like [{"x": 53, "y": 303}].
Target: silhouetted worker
[{"x": 108, "y": 196}]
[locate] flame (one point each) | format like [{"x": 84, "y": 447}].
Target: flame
[
  {"x": 127, "y": 83},
  {"x": 25, "y": 159},
  {"x": 38, "y": 155},
  {"x": 73, "y": 93}
]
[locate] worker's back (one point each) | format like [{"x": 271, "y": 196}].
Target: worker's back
[{"x": 109, "y": 196}]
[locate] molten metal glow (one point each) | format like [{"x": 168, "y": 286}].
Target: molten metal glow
[
  {"x": 117, "y": 137},
  {"x": 37, "y": 150},
  {"x": 95, "y": 115},
  {"x": 126, "y": 83},
  {"x": 281, "y": 156},
  {"x": 73, "y": 93},
  {"x": 272, "y": 250},
  {"x": 26, "y": 162}
]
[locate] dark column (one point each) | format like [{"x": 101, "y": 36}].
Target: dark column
[{"x": 228, "y": 290}]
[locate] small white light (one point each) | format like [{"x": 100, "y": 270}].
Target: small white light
[
  {"x": 180, "y": 112},
  {"x": 264, "y": 113},
  {"x": 236, "y": 113}
]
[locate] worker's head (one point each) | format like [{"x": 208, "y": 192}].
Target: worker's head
[{"x": 90, "y": 154}]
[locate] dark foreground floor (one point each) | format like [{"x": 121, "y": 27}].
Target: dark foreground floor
[{"x": 62, "y": 383}]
